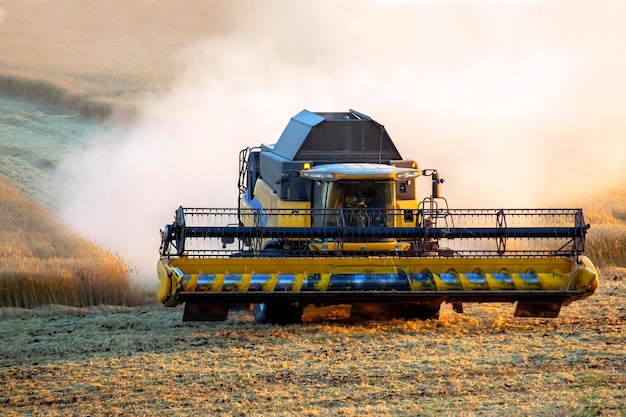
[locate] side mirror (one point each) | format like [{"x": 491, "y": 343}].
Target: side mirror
[{"x": 284, "y": 177}]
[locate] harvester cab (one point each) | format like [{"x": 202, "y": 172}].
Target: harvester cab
[{"x": 332, "y": 214}]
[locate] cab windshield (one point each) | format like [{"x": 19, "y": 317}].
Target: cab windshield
[{"x": 362, "y": 203}]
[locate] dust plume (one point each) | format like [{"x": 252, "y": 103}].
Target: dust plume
[{"x": 517, "y": 104}]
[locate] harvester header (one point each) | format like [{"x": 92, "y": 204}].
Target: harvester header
[{"x": 332, "y": 214}]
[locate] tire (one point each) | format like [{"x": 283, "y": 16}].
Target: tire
[{"x": 277, "y": 313}]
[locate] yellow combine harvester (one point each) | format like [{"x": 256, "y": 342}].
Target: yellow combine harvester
[{"x": 333, "y": 215}]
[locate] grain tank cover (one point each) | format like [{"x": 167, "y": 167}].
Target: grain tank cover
[{"x": 335, "y": 137}]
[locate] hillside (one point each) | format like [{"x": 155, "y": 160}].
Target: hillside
[{"x": 42, "y": 261}]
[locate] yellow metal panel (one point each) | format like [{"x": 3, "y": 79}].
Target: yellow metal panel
[
  {"x": 356, "y": 247},
  {"x": 245, "y": 282},
  {"x": 191, "y": 283},
  {"x": 165, "y": 278},
  {"x": 316, "y": 265},
  {"x": 552, "y": 281},
  {"x": 298, "y": 281},
  {"x": 584, "y": 278},
  {"x": 271, "y": 283},
  {"x": 443, "y": 285},
  {"x": 428, "y": 285},
  {"x": 322, "y": 285},
  {"x": 218, "y": 282},
  {"x": 500, "y": 284},
  {"x": 423, "y": 274},
  {"x": 269, "y": 200},
  {"x": 499, "y": 273},
  {"x": 401, "y": 206},
  {"x": 588, "y": 276}
]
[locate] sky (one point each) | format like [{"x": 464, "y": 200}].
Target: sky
[{"x": 515, "y": 103}]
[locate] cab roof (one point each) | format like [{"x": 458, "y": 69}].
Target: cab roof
[
  {"x": 335, "y": 137},
  {"x": 361, "y": 171}
]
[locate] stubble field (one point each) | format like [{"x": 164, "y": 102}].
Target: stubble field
[{"x": 144, "y": 361}]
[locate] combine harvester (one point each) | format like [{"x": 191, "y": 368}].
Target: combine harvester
[{"x": 333, "y": 215}]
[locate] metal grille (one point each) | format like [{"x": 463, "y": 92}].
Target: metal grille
[{"x": 204, "y": 232}]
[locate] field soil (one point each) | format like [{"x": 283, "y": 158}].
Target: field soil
[{"x": 145, "y": 361}]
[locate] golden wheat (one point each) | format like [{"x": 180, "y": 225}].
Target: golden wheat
[
  {"x": 606, "y": 239},
  {"x": 43, "y": 262}
]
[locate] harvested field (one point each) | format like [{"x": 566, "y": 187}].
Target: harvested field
[{"x": 145, "y": 361}]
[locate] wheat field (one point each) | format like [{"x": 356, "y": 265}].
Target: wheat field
[{"x": 42, "y": 261}]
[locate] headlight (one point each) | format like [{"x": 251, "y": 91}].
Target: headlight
[
  {"x": 317, "y": 175},
  {"x": 407, "y": 174}
]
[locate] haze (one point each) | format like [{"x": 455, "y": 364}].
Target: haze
[{"x": 517, "y": 104}]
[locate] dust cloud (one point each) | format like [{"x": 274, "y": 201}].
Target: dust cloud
[{"x": 517, "y": 104}]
